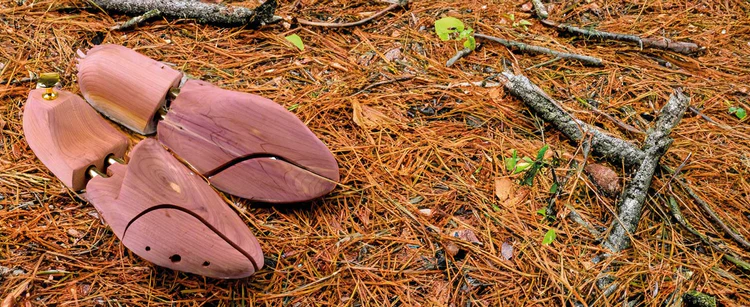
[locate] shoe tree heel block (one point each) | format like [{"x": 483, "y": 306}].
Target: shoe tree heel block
[
  {"x": 246, "y": 145},
  {"x": 171, "y": 217},
  {"x": 68, "y": 136},
  {"x": 125, "y": 86}
]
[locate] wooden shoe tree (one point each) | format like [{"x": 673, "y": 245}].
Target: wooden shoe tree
[
  {"x": 155, "y": 205},
  {"x": 132, "y": 96},
  {"x": 245, "y": 144},
  {"x": 171, "y": 217},
  {"x": 67, "y": 135}
]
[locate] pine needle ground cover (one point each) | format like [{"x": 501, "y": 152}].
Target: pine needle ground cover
[{"x": 428, "y": 211}]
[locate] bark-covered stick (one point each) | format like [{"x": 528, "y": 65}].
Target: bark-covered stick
[
  {"x": 460, "y": 54},
  {"x": 539, "y": 9},
  {"x": 137, "y": 20},
  {"x": 211, "y": 13},
  {"x": 632, "y": 199},
  {"x": 610, "y": 147},
  {"x": 585, "y": 59},
  {"x": 662, "y": 43}
]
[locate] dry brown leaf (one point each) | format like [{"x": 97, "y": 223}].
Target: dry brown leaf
[
  {"x": 74, "y": 233},
  {"x": 506, "y": 250},
  {"x": 451, "y": 248},
  {"x": 393, "y": 54},
  {"x": 604, "y": 178},
  {"x": 10, "y": 299},
  {"x": 466, "y": 235},
  {"x": 368, "y": 117},
  {"x": 519, "y": 197},
  {"x": 526, "y": 7},
  {"x": 503, "y": 188},
  {"x": 425, "y": 212}
]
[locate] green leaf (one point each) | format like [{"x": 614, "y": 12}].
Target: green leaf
[
  {"x": 465, "y": 33},
  {"x": 741, "y": 113},
  {"x": 549, "y": 237},
  {"x": 296, "y": 41},
  {"x": 470, "y": 43},
  {"x": 732, "y": 110},
  {"x": 524, "y": 22},
  {"x": 540, "y": 154},
  {"x": 447, "y": 25},
  {"x": 554, "y": 187},
  {"x": 520, "y": 167},
  {"x": 542, "y": 211},
  {"x": 510, "y": 163}
]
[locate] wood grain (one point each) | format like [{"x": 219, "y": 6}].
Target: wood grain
[
  {"x": 68, "y": 136},
  {"x": 247, "y": 145},
  {"x": 171, "y": 217},
  {"x": 125, "y": 85}
]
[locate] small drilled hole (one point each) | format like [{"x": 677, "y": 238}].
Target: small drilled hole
[
  {"x": 206, "y": 263},
  {"x": 175, "y": 258},
  {"x": 148, "y": 248}
]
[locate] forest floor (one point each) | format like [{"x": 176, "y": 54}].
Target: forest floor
[{"x": 424, "y": 214}]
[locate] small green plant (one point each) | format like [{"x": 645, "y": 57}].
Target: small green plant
[
  {"x": 296, "y": 41},
  {"x": 523, "y": 23},
  {"x": 549, "y": 237},
  {"x": 738, "y": 111},
  {"x": 516, "y": 164},
  {"x": 450, "y": 27}
]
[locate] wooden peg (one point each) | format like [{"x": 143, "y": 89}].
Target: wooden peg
[
  {"x": 171, "y": 217},
  {"x": 247, "y": 145},
  {"x": 125, "y": 85},
  {"x": 68, "y": 136}
]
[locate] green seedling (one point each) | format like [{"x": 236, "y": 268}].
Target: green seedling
[
  {"x": 296, "y": 41},
  {"x": 549, "y": 237},
  {"x": 738, "y": 111},
  {"x": 448, "y": 28}
]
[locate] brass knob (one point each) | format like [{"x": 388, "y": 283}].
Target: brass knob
[{"x": 48, "y": 81}]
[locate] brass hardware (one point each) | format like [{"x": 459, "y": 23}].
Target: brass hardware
[
  {"x": 48, "y": 81},
  {"x": 92, "y": 172},
  {"x": 112, "y": 160}
]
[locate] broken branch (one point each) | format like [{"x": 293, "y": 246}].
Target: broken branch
[
  {"x": 661, "y": 43},
  {"x": 137, "y": 20},
  {"x": 211, "y": 13},
  {"x": 587, "y": 60},
  {"x": 355, "y": 23},
  {"x": 656, "y": 144}
]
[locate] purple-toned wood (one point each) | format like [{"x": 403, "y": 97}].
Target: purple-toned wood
[
  {"x": 68, "y": 136},
  {"x": 171, "y": 217},
  {"x": 247, "y": 145},
  {"x": 125, "y": 85}
]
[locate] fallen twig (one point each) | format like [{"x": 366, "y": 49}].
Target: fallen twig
[
  {"x": 460, "y": 54},
  {"x": 137, "y": 20},
  {"x": 656, "y": 144},
  {"x": 727, "y": 254},
  {"x": 661, "y": 43},
  {"x": 610, "y": 147},
  {"x": 587, "y": 60},
  {"x": 376, "y": 84},
  {"x": 203, "y": 12},
  {"x": 539, "y": 9},
  {"x": 706, "y": 207},
  {"x": 391, "y": 7},
  {"x": 710, "y": 120},
  {"x": 19, "y": 81},
  {"x": 616, "y": 150}
]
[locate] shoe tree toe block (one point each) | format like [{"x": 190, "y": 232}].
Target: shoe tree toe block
[
  {"x": 247, "y": 145},
  {"x": 68, "y": 136},
  {"x": 171, "y": 217}
]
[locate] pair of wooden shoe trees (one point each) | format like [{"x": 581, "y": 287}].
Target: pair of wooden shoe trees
[{"x": 243, "y": 144}]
